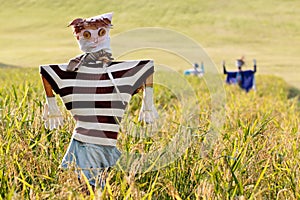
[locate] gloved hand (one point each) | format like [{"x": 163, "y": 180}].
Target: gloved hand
[
  {"x": 52, "y": 115},
  {"x": 148, "y": 111}
]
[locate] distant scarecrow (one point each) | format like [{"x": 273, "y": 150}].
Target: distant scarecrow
[
  {"x": 195, "y": 71},
  {"x": 245, "y": 79},
  {"x": 96, "y": 90}
]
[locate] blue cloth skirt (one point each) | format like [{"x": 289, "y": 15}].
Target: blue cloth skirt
[{"x": 91, "y": 159}]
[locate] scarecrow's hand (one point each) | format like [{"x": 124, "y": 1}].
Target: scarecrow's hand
[
  {"x": 148, "y": 111},
  {"x": 52, "y": 115}
]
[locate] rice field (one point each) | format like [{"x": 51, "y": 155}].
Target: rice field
[
  {"x": 255, "y": 156},
  {"x": 205, "y": 145}
]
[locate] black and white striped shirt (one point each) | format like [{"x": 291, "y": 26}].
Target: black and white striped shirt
[{"x": 97, "y": 96}]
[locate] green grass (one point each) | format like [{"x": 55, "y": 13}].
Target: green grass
[
  {"x": 34, "y": 32},
  {"x": 255, "y": 157}
]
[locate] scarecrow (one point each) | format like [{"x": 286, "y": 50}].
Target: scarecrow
[
  {"x": 195, "y": 71},
  {"x": 245, "y": 79},
  {"x": 96, "y": 90}
]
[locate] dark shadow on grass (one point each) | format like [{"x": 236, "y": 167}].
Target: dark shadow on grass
[
  {"x": 294, "y": 93},
  {"x": 3, "y": 65}
]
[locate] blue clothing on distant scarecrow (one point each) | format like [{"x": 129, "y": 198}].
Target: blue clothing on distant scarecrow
[
  {"x": 195, "y": 71},
  {"x": 245, "y": 79}
]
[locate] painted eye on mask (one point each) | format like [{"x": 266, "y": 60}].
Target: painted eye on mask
[
  {"x": 86, "y": 35},
  {"x": 101, "y": 32}
]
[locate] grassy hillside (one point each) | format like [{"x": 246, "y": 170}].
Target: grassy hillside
[
  {"x": 255, "y": 156},
  {"x": 34, "y": 32}
]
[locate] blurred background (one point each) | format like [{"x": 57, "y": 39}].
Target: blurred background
[{"x": 35, "y": 32}]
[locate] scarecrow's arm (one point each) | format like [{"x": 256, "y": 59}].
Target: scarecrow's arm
[
  {"x": 52, "y": 115},
  {"x": 47, "y": 87},
  {"x": 149, "y": 81},
  {"x": 148, "y": 111},
  {"x": 254, "y": 65},
  {"x": 224, "y": 67}
]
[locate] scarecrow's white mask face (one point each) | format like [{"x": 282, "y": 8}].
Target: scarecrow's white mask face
[
  {"x": 239, "y": 63},
  {"x": 92, "y": 34},
  {"x": 94, "y": 39}
]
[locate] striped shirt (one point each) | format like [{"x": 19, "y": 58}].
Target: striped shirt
[{"x": 97, "y": 96}]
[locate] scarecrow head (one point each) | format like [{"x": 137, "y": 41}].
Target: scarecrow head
[
  {"x": 92, "y": 33},
  {"x": 240, "y": 62}
]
